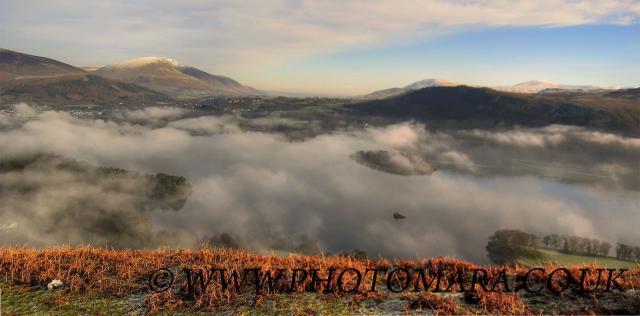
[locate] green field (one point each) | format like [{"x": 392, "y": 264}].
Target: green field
[{"x": 552, "y": 256}]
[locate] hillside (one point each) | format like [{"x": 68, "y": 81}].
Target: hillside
[
  {"x": 468, "y": 107},
  {"x": 77, "y": 89},
  {"x": 99, "y": 280},
  {"x": 169, "y": 77},
  {"x": 427, "y": 83},
  {"x": 549, "y": 256},
  {"x": 15, "y": 65}
]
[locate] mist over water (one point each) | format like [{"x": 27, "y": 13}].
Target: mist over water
[{"x": 556, "y": 179}]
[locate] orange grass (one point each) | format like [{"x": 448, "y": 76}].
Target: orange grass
[{"x": 124, "y": 272}]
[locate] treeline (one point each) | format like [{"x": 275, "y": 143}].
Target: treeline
[
  {"x": 516, "y": 239},
  {"x": 627, "y": 252},
  {"x": 574, "y": 244}
]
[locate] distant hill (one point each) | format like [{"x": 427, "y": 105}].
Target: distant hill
[
  {"x": 465, "y": 106},
  {"x": 533, "y": 86},
  {"x": 34, "y": 78},
  {"x": 169, "y": 77},
  {"x": 15, "y": 65},
  {"x": 631, "y": 93},
  {"x": 381, "y": 94},
  {"x": 536, "y": 86},
  {"x": 77, "y": 89}
]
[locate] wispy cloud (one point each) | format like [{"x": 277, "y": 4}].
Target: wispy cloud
[
  {"x": 238, "y": 32},
  {"x": 226, "y": 36}
]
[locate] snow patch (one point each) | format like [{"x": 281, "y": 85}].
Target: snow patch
[{"x": 143, "y": 61}]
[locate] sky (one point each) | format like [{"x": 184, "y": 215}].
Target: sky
[{"x": 343, "y": 47}]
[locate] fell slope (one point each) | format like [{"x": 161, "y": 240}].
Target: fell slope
[
  {"x": 167, "y": 76},
  {"x": 465, "y": 106},
  {"x": 77, "y": 89},
  {"x": 15, "y": 65}
]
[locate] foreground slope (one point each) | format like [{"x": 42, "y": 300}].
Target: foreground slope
[{"x": 98, "y": 280}]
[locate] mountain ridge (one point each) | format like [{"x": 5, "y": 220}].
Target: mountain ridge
[
  {"x": 484, "y": 107},
  {"x": 168, "y": 76},
  {"x": 78, "y": 88},
  {"x": 528, "y": 87},
  {"x": 15, "y": 65},
  {"x": 160, "y": 78},
  {"x": 425, "y": 83}
]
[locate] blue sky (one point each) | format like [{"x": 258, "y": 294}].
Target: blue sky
[
  {"x": 604, "y": 55},
  {"x": 343, "y": 47}
]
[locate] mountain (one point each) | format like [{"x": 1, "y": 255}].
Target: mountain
[
  {"x": 381, "y": 94},
  {"x": 79, "y": 88},
  {"x": 533, "y": 86},
  {"x": 468, "y": 107},
  {"x": 630, "y": 93},
  {"x": 536, "y": 86},
  {"x": 427, "y": 83},
  {"x": 15, "y": 65},
  {"x": 166, "y": 75}
]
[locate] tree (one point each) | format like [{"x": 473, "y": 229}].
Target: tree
[
  {"x": 635, "y": 256},
  {"x": 604, "y": 248},
  {"x": 624, "y": 252},
  {"x": 503, "y": 245},
  {"x": 557, "y": 241},
  {"x": 595, "y": 247}
]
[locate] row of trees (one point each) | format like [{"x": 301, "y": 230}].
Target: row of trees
[
  {"x": 565, "y": 243},
  {"x": 627, "y": 252},
  {"x": 576, "y": 245}
]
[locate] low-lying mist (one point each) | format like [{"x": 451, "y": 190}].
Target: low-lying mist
[{"x": 556, "y": 179}]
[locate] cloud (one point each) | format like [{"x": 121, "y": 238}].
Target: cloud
[
  {"x": 151, "y": 115},
  {"x": 4, "y": 120},
  {"x": 207, "y": 125},
  {"x": 24, "y": 109},
  {"x": 256, "y": 185},
  {"x": 49, "y": 200},
  {"x": 232, "y": 34},
  {"x": 397, "y": 136},
  {"x": 460, "y": 160},
  {"x": 553, "y": 136}
]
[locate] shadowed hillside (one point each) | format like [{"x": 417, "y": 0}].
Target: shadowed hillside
[
  {"x": 14, "y": 65},
  {"x": 482, "y": 107},
  {"x": 78, "y": 89}
]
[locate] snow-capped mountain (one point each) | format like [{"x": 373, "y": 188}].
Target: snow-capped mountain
[
  {"x": 535, "y": 86},
  {"x": 168, "y": 76},
  {"x": 427, "y": 83},
  {"x": 144, "y": 61}
]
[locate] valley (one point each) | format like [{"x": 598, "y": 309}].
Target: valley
[{"x": 150, "y": 163}]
